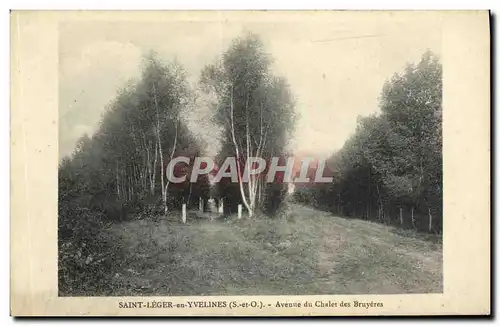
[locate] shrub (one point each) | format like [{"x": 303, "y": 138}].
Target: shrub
[{"x": 85, "y": 258}]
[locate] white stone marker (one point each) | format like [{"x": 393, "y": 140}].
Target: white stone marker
[
  {"x": 184, "y": 213},
  {"x": 221, "y": 206},
  {"x": 239, "y": 211}
]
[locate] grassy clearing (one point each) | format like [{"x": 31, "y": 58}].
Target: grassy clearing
[{"x": 311, "y": 253}]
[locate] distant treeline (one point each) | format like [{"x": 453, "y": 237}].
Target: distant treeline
[{"x": 390, "y": 170}]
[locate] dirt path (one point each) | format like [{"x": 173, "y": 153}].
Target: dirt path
[{"x": 316, "y": 253}]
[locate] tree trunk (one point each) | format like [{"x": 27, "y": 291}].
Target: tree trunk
[
  {"x": 162, "y": 174},
  {"x": 413, "y": 217},
  {"x": 164, "y": 187},
  {"x": 153, "y": 178},
  {"x": 117, "y": 183},
  {"x": 430, "y": 219},
  {"x": 189, "y": 196},
  {"x": 238, "y": 167},
  {"x": 380, "y": 205},
  {"x": 171, "y": 156},
  {"x": 259, "y": 192}
]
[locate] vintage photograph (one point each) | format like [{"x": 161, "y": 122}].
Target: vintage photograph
[{"x": 259, "y": 157}]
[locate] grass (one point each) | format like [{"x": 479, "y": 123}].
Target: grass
[{"x": 311, "y": 253}]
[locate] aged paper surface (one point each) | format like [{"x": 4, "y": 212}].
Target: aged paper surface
[{"x": 53, "y": 55}]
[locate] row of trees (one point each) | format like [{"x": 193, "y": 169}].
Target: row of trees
[
  {"x": 390, "y": 170},
  {"x": 121, "y": 170},
  {"x": 122, "y": 167}
]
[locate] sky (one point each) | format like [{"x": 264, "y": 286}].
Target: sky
[{"x": 336, "y": 65}]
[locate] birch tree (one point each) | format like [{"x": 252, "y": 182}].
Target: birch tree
[
  {"x": 123, "y": 163},
  {"x": 254, "y": 108}
]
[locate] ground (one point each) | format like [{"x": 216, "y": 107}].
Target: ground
[{"x": 312, "y": 252}]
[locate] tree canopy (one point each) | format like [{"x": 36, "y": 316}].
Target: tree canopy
[
  {"x": 391, "y": 168},
  {"x": 256, "y": 111}
]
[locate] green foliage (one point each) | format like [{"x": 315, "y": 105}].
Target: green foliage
[
  {"x": 255, "y": 109},
  {"x": 115, "y": 175},
  {"x": 391, "y": 168}
]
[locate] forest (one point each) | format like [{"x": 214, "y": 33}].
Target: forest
[{"x": 389, "y": 170}]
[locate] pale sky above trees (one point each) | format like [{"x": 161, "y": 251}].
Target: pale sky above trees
[{"x": 336, "y": 68}]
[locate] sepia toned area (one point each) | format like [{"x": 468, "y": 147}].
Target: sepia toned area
[
  {"x": 121, "y": 85},
  {"x": 133, "y": 96}
]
